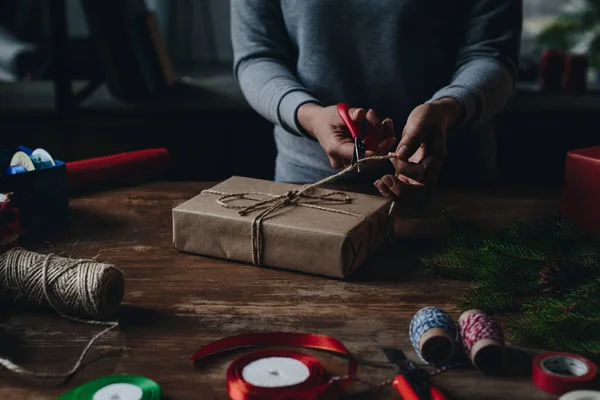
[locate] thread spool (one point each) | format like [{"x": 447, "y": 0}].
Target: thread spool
[
  {"x": 116, "y": 387},
  {"x": 581, "y": 395},
  {"x": 75, "y": 288},
  {"x": 23, "y": 160},
  {"x": 83, "y": 291},
  {"x": 41, "y": 159},
  {"x": 483, "y": 340},
  {"x": 433, "y": 335}
]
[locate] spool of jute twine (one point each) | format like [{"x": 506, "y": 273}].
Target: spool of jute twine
[{"x": 79, "y": 290}]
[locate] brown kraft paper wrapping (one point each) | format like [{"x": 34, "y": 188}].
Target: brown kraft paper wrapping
[{"x": 294, "y": 237}]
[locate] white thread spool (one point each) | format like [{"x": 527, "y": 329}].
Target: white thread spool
[
  {"x": 275, "y": 372},
  {"x": 22, "y": 159},
  {"x": 581, "y": 395}
]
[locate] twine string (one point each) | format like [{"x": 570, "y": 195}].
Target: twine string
[
  {"x": 292, "y": 197},
  {"x": 477, "y": 327},
  {"x": 73, "y": 288},
  {"x": 425, "y": 319}
]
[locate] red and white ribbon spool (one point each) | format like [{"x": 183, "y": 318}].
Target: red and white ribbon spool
[
  {"x": 559, "y": 373},
  {"x": 278, "y": 374}
]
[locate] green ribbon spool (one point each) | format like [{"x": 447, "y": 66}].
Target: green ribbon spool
[{"x": 116, "y": 387}]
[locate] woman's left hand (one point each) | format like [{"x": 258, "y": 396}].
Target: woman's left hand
[{"x": 421, "y": 152}]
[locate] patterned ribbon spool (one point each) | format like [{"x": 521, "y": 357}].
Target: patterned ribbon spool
[
  {"x": 433, "y": 335},
  {"x": 483, "y": 340}
]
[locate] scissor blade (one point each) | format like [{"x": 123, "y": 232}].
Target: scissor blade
[{"x": 356, "y": 156}]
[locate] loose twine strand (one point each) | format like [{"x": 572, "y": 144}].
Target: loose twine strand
[
  {"x": 74, "y": 288},
  {"x": 277, "y": 202}
]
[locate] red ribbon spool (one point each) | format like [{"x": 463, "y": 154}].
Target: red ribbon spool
[
  {"x": 318, "y": 385},
  {"x": 560, "y": 373}
]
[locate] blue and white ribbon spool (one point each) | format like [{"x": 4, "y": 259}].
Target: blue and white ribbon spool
[
  {"x": 41, "y": 159},
  {"x": 433, "y": 335}
]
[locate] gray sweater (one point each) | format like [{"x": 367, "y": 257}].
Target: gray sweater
[{"x": 388, "y": 55}]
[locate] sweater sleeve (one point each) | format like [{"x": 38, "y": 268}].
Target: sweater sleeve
[
  {"x": 488, "y": 59},
  {"x": 263, "y": 62}
]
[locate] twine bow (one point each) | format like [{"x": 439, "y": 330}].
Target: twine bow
[{"x": 292, "y": 197}]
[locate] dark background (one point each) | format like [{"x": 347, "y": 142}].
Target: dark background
[{"x": 204, "y": 121}]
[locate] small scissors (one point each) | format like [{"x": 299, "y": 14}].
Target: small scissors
[
  {"x": 411, "y": 383},
  {"x": 359, "y": 137}
]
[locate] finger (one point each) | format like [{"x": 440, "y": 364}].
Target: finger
[
  {"x": 385, "y": 190},
  {"x": 412, "y": 137},
  {"x": 394, "y": 189},
  {"x": 388, "y": 128},
  {"x": 341, "y": 155},
  {"x": 414, "y": 171},
  {"x": 393, "y": 184},
  {"x": 408, "y": 181},
  {"x": 357, "y": 114},
  {"x": 375, "y": 127}
]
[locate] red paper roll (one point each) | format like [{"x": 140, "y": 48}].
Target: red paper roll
[
  {"x": 559, "y": 373},
  {"x": 118, "y": 168}
]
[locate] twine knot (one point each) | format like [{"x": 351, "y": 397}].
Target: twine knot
[{"x": 290, "y": 197}]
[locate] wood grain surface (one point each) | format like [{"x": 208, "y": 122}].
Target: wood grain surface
[{"x": 175, "y": 303}]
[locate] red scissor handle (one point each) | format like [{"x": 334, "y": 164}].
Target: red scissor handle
[
  {"x": 343, "y": 111},
  {"x": 407, "y": 392}
]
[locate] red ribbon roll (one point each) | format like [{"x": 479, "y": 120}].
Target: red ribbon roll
[
  {"x": 559, "y": 373},
  {"x": 318, "y": 385}
]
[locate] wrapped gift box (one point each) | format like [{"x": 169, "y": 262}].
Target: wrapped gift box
[
  {"x": 296, "y": 236},
  {"x": 581, "y": 189}
]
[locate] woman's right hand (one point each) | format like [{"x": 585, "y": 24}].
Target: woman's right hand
[{"x": 325, "y": 125}]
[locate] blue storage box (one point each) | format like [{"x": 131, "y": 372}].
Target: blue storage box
[{"x": 41, "y": 195}]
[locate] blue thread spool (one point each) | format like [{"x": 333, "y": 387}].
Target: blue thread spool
[{"x": 433, "y": 335}]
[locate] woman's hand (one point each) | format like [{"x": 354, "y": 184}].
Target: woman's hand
[
  {"x": 422, "y": 149},
  {"x": 325, "y": 125}
]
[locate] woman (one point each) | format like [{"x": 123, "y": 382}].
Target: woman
[{"x": 428, "y": 71}]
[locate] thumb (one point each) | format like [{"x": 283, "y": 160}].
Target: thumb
[{"x": 357, "y": 114}]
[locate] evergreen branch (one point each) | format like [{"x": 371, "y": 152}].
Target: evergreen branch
[
  {"x": 514, "y": 250},
  {"x": 486, "y": 299}
]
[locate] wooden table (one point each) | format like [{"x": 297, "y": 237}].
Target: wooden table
[{"x": 176, "y": 303}]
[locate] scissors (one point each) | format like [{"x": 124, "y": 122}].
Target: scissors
[
  {"x": 412, "y": 383},
  {"x": 358, "y": 135}
]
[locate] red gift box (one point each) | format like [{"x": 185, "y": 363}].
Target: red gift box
[{"x": 581, "y": 190}]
